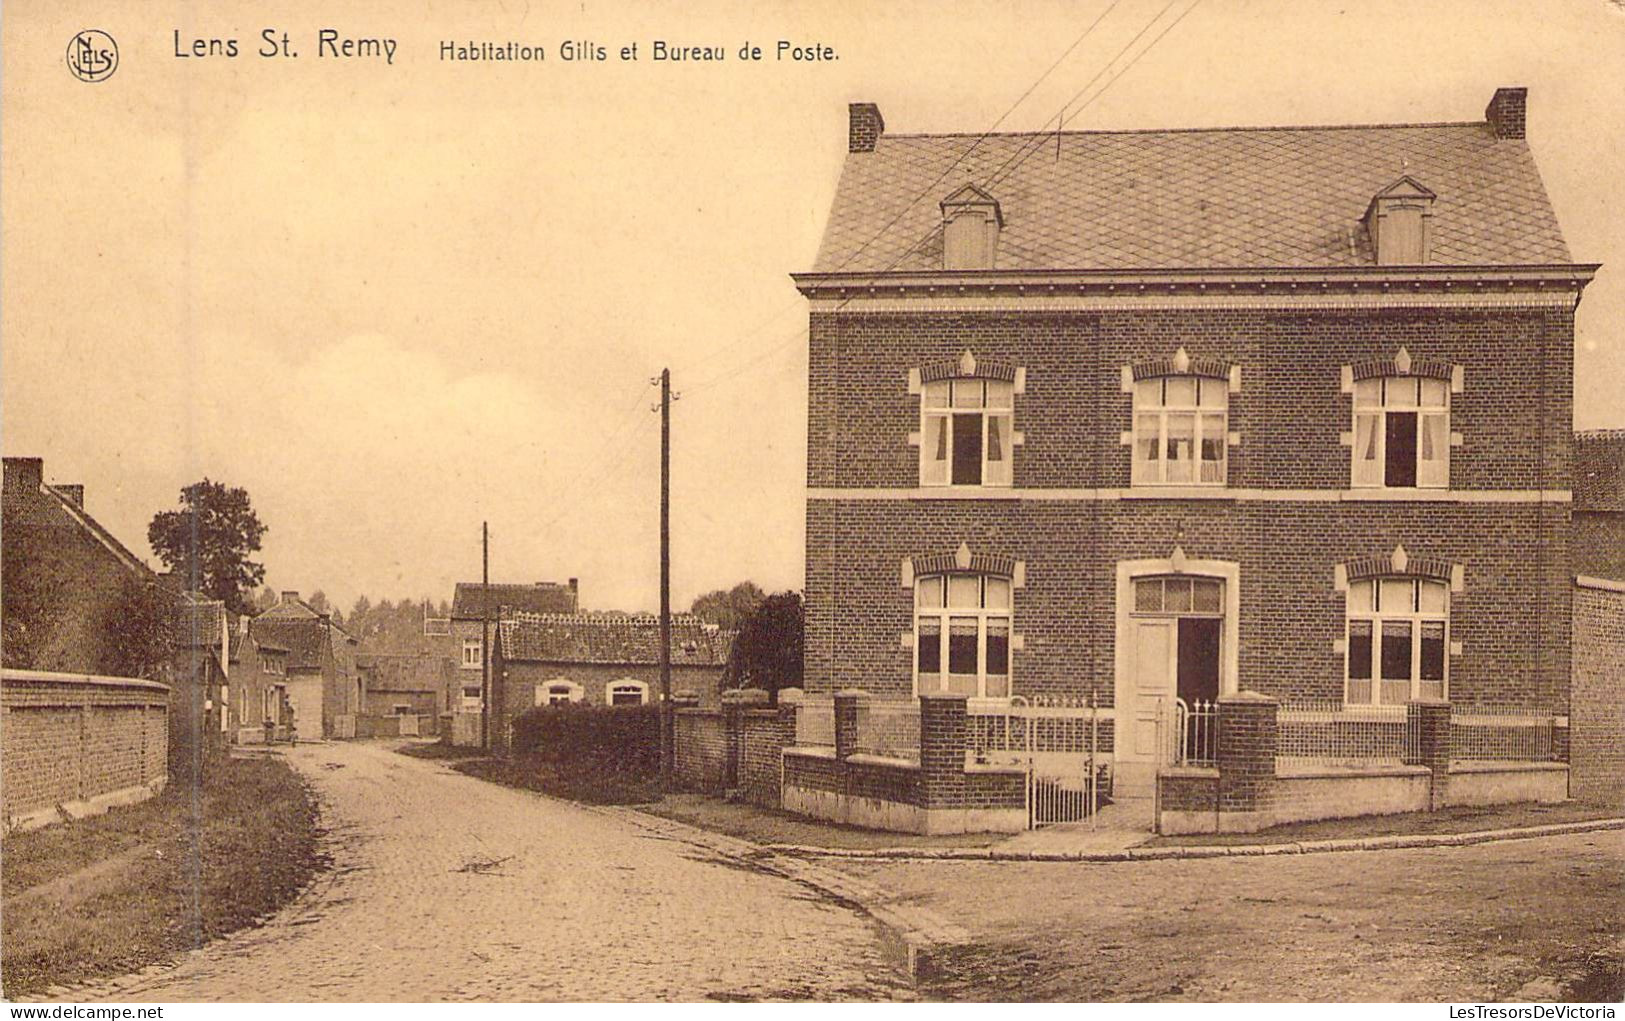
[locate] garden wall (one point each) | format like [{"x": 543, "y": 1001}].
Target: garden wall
[{"x": 76, "y": 744}]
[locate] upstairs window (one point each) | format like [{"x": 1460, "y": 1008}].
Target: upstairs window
[
  {"x": 471, "y": 654},
  {"x": 1397, "y": 633},
  {"x": 1181, "y": 431},
  {"x": 962, "y": 634},
  {"x": 1402, "y": 433},
  {"x": 965, "y": 432}
]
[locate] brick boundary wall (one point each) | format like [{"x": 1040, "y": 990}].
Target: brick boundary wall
[
  {"x": 1248, "y": 789},
  {"x": 739, "y": 747},
  {"x": 75, "y": 744},
  {"x": 1596, "y": 708}
]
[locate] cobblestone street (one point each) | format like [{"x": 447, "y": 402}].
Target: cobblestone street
[{"x": 445, "y": 887}]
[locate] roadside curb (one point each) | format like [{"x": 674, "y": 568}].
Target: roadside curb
[
  {"x": 921, "y": 934},
  {"x": 1385, "y": 843}
]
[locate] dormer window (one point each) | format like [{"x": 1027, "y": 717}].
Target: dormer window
[
  {"x": 971, "y": 221},
  {"x": 1399, "y": 222}
]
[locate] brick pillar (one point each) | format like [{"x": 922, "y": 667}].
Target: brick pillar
[
  {"x": 1427, "y": 743},
  {"x": 789, "y": 706},
  {"x": 851, "y": 706},
  {"x": 1245, "y": 756},
  {"x": 734, "y": 704},
  {"x": 942, "y": 750}
]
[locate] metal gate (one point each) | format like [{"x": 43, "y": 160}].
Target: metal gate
[{"x": 1057, "y": 740}]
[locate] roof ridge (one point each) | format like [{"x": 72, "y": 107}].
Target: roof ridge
[{"x": 1182, "y": 131}]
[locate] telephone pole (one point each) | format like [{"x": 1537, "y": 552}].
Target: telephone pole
[
  {"x": 485, "y": 636},
  {"x": 667, "y": 719}
]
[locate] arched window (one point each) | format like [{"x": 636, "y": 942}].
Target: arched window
[
  {"x": 1181, "y": 430},
  {"x": 1398, "y": 640},
  {"x": 962, "y": 634},
  {"x": 627, "y": 691}
]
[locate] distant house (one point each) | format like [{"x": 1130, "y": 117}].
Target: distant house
[
  {"x": 259, "y": 709},
  {"x": 461, "y": 635},
  {"x": 399, "y": 684},
  {"x": 324, "y": 683},
  {"x": 599, "y": 659}
]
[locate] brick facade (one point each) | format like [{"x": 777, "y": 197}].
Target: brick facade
[{"x": 514, "y": 685}]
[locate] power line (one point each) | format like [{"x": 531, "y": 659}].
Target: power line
[{"x": 929, "y": 189}]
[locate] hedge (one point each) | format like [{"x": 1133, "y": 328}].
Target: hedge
[{"x": 622, "y": 738}]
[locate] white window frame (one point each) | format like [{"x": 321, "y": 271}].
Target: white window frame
[
  {"x": 1370, "y": 593},
  {"x": 473, "y": 702},
  {"x": 476, "y": 660},
  {"x": 941, "y": 403},
  {"x": 627, "y": 682},
  {"x": 982, "y": 613},
  {"x": 1429, "y": 400},
  {"x": 544, "y": 695},
  {"x": 1153, "y": 408}
]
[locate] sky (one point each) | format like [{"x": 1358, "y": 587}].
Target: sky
[{"x": 395, "y": 301}]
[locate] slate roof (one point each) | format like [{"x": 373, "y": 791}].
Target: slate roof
[
  {"x": 1599, "y": 470},
  {"x": 1196, "y": 199},
  {"x": 540, "y": 597},
  {"x": 622, "y": 639}
]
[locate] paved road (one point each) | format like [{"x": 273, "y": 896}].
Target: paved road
[{"x": 583, "y": 906}]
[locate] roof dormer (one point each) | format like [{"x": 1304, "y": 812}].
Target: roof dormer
[
  {"x": 971, "y": 221},
  {"x": 1399, "y": 222}
]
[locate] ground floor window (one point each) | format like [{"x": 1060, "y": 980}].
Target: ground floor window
[
  {"x": 627, "y": 692},
  {"x": 471, "y": 696},
  {"x": 560, "y": 691},
  {"x": 1397, "y": 640},
  {"x": 962, "y": 634}
]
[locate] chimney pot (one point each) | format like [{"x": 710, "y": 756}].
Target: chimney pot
[
  {"x": 864, "y": 127},
  {"x": 1507, "y": 110}
]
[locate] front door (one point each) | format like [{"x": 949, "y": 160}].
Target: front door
[{"x": 1175, "y": 628}]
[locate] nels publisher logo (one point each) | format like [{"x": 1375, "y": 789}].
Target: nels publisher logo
[{"x": 92, "y": 55}]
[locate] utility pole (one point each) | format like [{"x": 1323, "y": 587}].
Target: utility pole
[
  {"x": 485, "y": 636},
  {"x": 667, "y": 720}
]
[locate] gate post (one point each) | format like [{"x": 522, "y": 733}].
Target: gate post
[
  {"x": 1427, "y": 743},
  {"x": 942, "y": 750},
  {"x": 1245, "y": 755},
  {"x": 851, "y": 708}
]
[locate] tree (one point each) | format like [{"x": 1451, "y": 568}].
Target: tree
[
  {"x": 728, "y": 609},
  {"x": 142, "y": 630},
  {"x": 266, "y": 599},
  {"x": 318, "y": 601},
  {"x": 208, "y": 541},
  {"x": 767, "y": 651}
]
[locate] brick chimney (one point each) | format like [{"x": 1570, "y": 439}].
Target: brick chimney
[
  {"x": 865, "y": 126},
  {"x": 1506, "y": 111},
  {"x": 290, "y": 596},
  {"x": 23, "y": 476},
  {"x": 75, "y": 493}
]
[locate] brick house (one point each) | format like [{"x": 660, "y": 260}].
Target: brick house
[
  {"x": 259, "y": 689},
  {"x": 405, "y": 684},
  {"x": 1599, "y": 503},
  {"x": 461, "y": 636},
  {"x": 324, "y": 684},
  {"x": 1597, "y": 703},
  {"x": 1175, "y": 415},
  {"x": 599, "y": 659}
]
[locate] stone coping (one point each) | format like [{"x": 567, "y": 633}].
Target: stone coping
[
  {"x": 1193, "y": 772},
  {"x": 1347, "y": 772},
  {"x": 10, "y": 676},
  {"x": 996, "y": 767},
  {"x": 1383, "y": 843},
  {"x": 1490, "y": 766}
]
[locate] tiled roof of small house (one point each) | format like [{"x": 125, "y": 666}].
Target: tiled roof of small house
[
  {"x": 404, "y": 671},
  {"x": 200, "y": 622},
  {"x": 539, "y": 597},
  {"x": 1233, "y": 198},
  {"x": 303, "y": 638},
  {"x": 611, "y": 638},
  {"x": 1599, "y": 470}
]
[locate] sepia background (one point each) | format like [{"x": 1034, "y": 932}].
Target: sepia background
[{"x": 395, "y": 301}]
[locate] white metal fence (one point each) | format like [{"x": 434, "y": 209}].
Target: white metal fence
[
  {"x": 1501, "y": 734},
  {"x": 1331, "y": 734},
  {"x": 1058, "y": 740}
]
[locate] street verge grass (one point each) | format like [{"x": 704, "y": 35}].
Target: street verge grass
[
  {"x": 112, "y": 894},
  {"x": 592, "y": 783}
]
